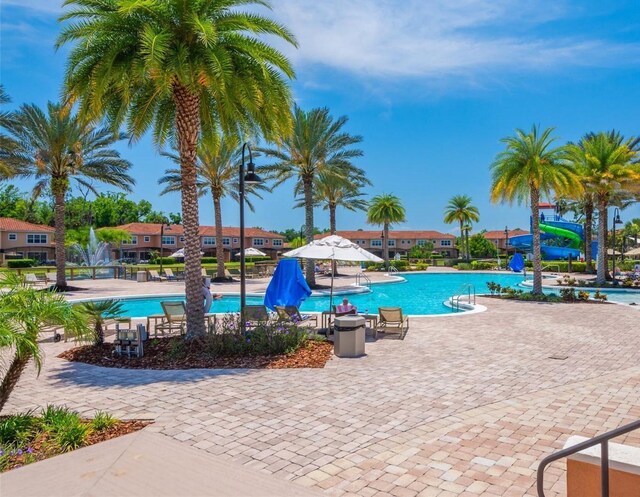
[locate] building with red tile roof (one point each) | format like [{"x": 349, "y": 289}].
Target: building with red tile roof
[{"x": 20, "y": 239}]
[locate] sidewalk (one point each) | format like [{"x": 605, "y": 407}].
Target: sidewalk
[{"x": 144, "y": 464}]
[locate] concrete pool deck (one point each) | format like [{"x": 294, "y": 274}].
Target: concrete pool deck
[{"x": 461, "y": 407}]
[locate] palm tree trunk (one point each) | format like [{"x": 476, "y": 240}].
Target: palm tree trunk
[
  {"x": 188, "y": 127},
  {"x": 385, "y": 246},
  {"x": 308, "y": 219},
  {"x": 11, "y": 378},
  {"x": 217, "y": 212},
  {"x": 466, "y": 235},
  {"x": 607, "y": 275},
  {"x": 588, "y": 235},
  {"x": 601, "y": 274},
  {"x": 332, "y": 229},
  {"x": 537, "y": 256},
  {"x": 463, "y": 254},
  {"x": 59, "y": 190}
]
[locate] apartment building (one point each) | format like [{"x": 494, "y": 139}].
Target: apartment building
[
  {"x": 147, "y": 238},
  {"x": 400, "y": 242},
  {"x": 20, "y": 239}
]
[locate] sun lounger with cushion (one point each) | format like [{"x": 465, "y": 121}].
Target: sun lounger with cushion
[{"x": 392, "y": 320}]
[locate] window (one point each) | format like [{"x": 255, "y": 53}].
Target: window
[
  {"x": 445, "y": 243},
  {"x": 362, "y": 242},
  {"x": 277, "y": 243},
  {"x": 208, "y": 240},
  {"x": 235, "y": 240},
  {"x": 147, "y": 239},
  {"x": 258, "y": 242},
  {"x": 13, "y": 237},
  {"x": 182, "y": 239},
  {"x": 168, "y": 240},
  {"x": 226, "y": 241},
  {"x": 37, "y": 239},
  {"x": 131, "y": 241},
  {"x": 391, "y": 243},
  {"x": 376, "y": 243},
  {"x": 421, "y": 243},
  {"x": 38, "y": 256}
]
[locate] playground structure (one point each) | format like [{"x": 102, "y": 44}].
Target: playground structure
[{"x": 559, "y": 239}]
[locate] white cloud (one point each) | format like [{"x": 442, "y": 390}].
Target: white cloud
[
  {"x": 45, "y": 6},
  {"x": 436, "y": 39}
]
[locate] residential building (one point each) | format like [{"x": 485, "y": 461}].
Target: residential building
[
  {"x": 400, "y": 242},
  {"x": 499, "y": 237},
  {"x": 20, "y": 239},
  {"x": 145, "y": 239}
]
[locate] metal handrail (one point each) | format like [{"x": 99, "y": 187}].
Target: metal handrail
[
  {"x": 393, "y": 269},
  {"x": 551, "y": 265},
  {"x": 362, "y": 276},
  {"x": 455, "y": 298},
  {"x": 603, "y": 441}
]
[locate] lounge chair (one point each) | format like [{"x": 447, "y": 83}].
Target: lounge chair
[
  {"x": 292, "y": 313},
  {"x": 392, "y": 320},
  {"x": 51, "y": 277},
  {"x": 153, "y": 274},
  {"x": 254, "y": 314},
  {"x": 170, "y": 276},
  {"x": 234, "y": 272},
  {"x": 175, "y": 318},
  {"x": 32, "y": 279},
  {"x": 204, "y": 273},
  {"x": 227, "y": 274}
]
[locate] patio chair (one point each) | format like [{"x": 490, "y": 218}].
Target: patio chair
[
  {"x": 227, "y": 274},
  {"x": 50, "y": 277},
  {"x": 392, "y": 320},
  {"x": 175, "y": 318},
  {"x": 168, "y": 272},
  {"x": 204, "y": 273},
  {"x": 234, "y": 272},
  {"x": 153, "y": 274},
  {"x": 32, "y": 279},
  {"x": 254, "y": 314},
  {"x": 292, "y": 313}
]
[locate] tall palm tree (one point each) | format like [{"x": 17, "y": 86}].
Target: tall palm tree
[
  {"x": 605, "y": 163},
  {"x": 55, "y": 147},
  {"x": 530, "y": 167},
  {"x": 460, "y": 210},
  {"x": 317, "y": 145},
  {"x": 385, "y": 210},
  {"x": 190, "y": 70},
  {"x": 7, "y": 144},
  {"x": 217, "y": 165}
]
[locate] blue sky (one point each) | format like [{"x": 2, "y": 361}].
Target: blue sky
[{"x": 431, "y": 85}]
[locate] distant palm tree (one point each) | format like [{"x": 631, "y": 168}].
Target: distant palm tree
[
  {"x": 217, "y": 167},
  {"x": 605, "y": 162},
  {"x": 460, "y": 210},
  {"x": 7, "y": 145},
  {"x": 190, "y": 70},
  {"x": 55, "y": 147},
  {"x": 528, "y": 168},
  {"x": 385, "y": 210},
  {"x": 317, "y": 145}
]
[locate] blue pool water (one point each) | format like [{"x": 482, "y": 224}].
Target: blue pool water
[{"x": 420, "y": 294}]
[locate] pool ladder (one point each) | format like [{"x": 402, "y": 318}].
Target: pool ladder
[
  {"x": 360, "y": 278},
  {"x": 467, "y": 290}
]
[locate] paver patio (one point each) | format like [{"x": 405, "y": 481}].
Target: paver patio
[{"x": 464, "y": 406}]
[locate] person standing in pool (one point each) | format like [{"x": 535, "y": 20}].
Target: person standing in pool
[{"x": 207, "y": 295}]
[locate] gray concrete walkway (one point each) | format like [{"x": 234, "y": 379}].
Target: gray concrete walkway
[{"x": 144, "y": 464}]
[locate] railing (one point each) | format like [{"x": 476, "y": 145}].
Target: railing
[
  {"x": 360, "y": 277},
  {"x": 603, "y": 441},
  {"x": 466, "y": 290},
  {"x": 392, "y": 269},
  {"x": 544, "y": 268}
]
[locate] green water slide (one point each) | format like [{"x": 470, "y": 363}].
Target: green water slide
[{"x": 576, "y": 240}]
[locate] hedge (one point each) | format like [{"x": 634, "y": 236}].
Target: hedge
[
  {"x": 19, "y": 263},
  {"x": 209, "y": 260},
  {"x": 379, "y": 266}
]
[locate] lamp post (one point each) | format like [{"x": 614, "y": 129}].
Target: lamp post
[
  {"x": 251, "y": 178},
  {"x": 386, "y": 263},
  {"x": 162, "y": 225},
  {"x": 616, "y": 220}
]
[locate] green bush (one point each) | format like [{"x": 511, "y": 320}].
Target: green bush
[
  {"x": 21, "y": 263},
  {"x": 102, "y": 421},
  {"x": 257, "y": 258},
  {"x": 56, "y": 418},
  {"x": 379, "y": 266},
  {"x": 165, "y": 260},
  {"x": 209, "y": 260},
  {"x": 568, "y": 294},
  {"x": 18, "y": 430},
  {"x": 72, "y": 434},
  {"x": 421, "y": 266}
]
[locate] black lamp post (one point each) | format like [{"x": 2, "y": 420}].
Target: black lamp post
[
  {"x": 506, "y": 241},
  {"x": 386, "y": 263},
  {"x": 251, "y": 178},
  {"x": 616, "y": 220},
  {"x": 161, "y": 241}
]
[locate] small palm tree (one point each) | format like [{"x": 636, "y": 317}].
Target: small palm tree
[
  {"x": 317, "y": 145},
  {"x": 384, "y": 210},
  {"x": 55, "y": 147},
  {"x": 99, "y": 312},
  {"x": 190, "y": 70},
  {"x": 217, "y": 167},
  {"x": 23, "y": 312},
  {"x": 460, "y": 210},
  {"x": 528, "y": 168},
  {"x": 605, "y": 162}
]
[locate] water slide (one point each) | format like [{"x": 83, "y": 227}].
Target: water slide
[{"x": 559, "y": 228}]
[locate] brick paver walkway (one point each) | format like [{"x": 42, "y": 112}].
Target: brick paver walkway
[{"x": 464, "y": 406}]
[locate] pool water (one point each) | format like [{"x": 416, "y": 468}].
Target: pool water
[{"x": 420, "y": 294}]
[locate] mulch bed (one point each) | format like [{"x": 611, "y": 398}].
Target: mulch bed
[
  {"x": 42, "y": 448},
  {"x": 157, "y": 355}
]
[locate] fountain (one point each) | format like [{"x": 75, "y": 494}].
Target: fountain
[{"x": 95, "y": 253}]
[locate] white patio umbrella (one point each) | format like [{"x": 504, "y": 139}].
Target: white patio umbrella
[
  {"x": 252, "y": 252},
  {"x": 334, "y": 248},
  {"x": 179, "y": 254}
]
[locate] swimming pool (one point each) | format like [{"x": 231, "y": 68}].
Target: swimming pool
[{"x": 422, "y": 293}]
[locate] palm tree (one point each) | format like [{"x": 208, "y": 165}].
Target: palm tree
[
  {"x": 605, "y": 163},
  {"x": 98, "y": 313},
  {"x": 217, "y": 166},
  {"x": 24, "y": 310},
  {"x": 386, "y": 209},
  {"x": 317, "y": 145},
  {"x": 528, "y": 168},
  {"x": 191, "y": 70},
  {"x": 460, "y": 210},
  {"x": 56, "y": 146},
  {"x": 7, "y": 145}
]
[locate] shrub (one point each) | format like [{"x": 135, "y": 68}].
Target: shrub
[
  {"x": 102, "y": 421},
  {"x": 55, "y": 418},
  {"x": 21, "y": 263},
  {"x": 257, "y": 258},
  {"x": 584, "y": 296},
  {"x": 568, "y": 294},
  {"x": 18, "y": 429},
  {"x": 379, "y": 266},
  {"x": 209, "y": 260},
  {"x": 422, "y": 266},
  {"x": 72, "y": 434},
  {"x": 165, "y": 260},
  {"x": 600, "y": 296}
]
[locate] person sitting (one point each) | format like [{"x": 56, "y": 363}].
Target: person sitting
[
  {"x": 318, "y": 269},
  {"x": 346, "y": 307}
]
